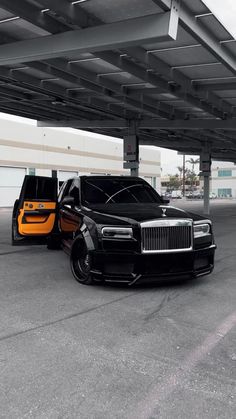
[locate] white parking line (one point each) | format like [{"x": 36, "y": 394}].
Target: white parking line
[{"x": 147, "y": 407}]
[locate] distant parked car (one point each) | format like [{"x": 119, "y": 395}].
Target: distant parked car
[
  {"x": 194, "y": 195},
  {"x": 176, "y": 194}
]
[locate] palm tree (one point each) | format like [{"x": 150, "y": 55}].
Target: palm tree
[
  {"x": 193, "y": 162},
  {"x": 180, "y": 169}
]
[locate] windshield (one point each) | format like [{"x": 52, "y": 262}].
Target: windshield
[{"x": 118, "y": 191}]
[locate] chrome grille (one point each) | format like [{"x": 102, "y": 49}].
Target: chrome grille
[{"x": 167, "y": 236}]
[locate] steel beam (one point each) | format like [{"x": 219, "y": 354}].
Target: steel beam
[
  {"x": 152, "y": 28},
  {"x": 98, "y": 124},
  {"x": 190, "y": 124},
  {"x": 214, "y": 86}
]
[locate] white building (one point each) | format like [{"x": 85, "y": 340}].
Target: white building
[
  {"x": 27, "y": 149},
  {"x": 223, "y": 181}
]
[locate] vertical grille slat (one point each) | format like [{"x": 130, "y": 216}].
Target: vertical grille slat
[{"x": 169, "y": 237}]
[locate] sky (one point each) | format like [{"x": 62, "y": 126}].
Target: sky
[{"x": 225, "y": 11}]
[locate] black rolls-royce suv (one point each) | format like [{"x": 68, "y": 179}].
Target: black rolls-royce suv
[{"x": 115, "y": 229}]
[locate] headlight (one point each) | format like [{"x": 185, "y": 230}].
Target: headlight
[
  {"x": 117, "y": 232},
  {"x": 201, "y": 230}
]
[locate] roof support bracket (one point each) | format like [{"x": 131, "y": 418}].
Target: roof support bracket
[{"x": 174, "y": 18}]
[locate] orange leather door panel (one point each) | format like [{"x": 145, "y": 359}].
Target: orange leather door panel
[{"x": 36, "y": 218}]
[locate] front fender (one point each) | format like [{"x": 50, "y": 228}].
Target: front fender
[{"x": 85, "y": 235}]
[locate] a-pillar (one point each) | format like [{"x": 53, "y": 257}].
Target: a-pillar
[{"x": 131, "y": 150}]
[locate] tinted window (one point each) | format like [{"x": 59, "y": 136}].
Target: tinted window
[
  {"x": 64, "y": 189},
  {"x": 74, "y": 191},
  {"x": 40, "y": 188},
  {"x": 110, "y": 191}
]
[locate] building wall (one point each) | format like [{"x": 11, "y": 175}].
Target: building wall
[
  {"x": 223, "y": 181},
  {"x": 26, "y": 149}
]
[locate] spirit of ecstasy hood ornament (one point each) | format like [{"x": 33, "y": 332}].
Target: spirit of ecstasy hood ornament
[{"x": 163, "y": 212}]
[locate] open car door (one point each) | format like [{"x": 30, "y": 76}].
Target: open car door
[{"x": 34, "y": 213}]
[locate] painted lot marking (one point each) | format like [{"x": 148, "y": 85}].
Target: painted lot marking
[{"x": 146, "y": 409}]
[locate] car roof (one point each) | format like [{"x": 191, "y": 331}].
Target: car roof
[{"x": 109, "y": 177}]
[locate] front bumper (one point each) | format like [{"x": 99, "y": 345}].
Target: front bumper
[{"x": 135, "y": 268}]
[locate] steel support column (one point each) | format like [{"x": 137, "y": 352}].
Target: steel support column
[
  {"x": 131, "y": 149},
  {"x": 205, "y": 168},
  {"x": 206, "y": 194}
]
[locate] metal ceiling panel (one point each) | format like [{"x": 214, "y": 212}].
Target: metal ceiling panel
[
  {"x": 141, "y": 85},
  {"x": 4, "y": 14},
  {"x": 39, "y": 5},
  {"x": 226, "y": 93},
  {"x": 113, "y": 11},
  {"x": 197, "y": 7},
  {"x": 206, "y": 71},
  {"x": 62, "y": 83},
  {"x": 86, "y": 56},
  {"x": 217, "y": 80},
  {"x": 31, "y": 72},
  {"x": 215, "y": 27},
  {"x": 20, "y": 29},
  {"x": 97, "y": 66},
  {"x": 231, "y": 46},
  {"x": 183, "y": 40},
  {"x": 186, "y": 56},
  {"x": 232, "y": 101},
  {"x": 177, "y": 103},
  {"x": 164, "y": 96},
  {"x": 122, "y": 78}
]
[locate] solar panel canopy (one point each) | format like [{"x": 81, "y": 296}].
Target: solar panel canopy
[{"x": 165, "y": 69}]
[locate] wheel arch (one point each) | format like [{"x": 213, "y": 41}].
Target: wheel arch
[{"x": 84, "y": 237}]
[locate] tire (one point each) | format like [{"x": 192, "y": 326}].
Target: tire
[
  {"x": 80, "y": 262},
  {"x": 13, "y": 241}
]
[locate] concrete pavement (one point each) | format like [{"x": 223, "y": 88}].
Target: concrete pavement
[{"x": 71, "y": 351}]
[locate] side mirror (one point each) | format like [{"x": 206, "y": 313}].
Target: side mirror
[{"x": 68, "y": 200}]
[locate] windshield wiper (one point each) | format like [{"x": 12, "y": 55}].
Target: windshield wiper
[
  {"x": 124, "y": 189},
  {"x": 100, "y": 189}
]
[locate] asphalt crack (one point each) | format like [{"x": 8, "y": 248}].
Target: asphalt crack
[{"x": 71, "y": 316}]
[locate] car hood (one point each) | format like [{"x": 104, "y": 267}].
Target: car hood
[{"x": 123, "y": 213}]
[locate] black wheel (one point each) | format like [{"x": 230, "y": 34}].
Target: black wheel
[{"x": 81, "y": 264}]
